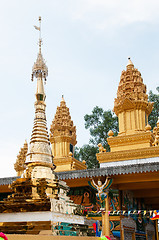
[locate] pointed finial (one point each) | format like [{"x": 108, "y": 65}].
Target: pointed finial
[
  {"x": 39, "y": 29},
  {"x": 130, "y": 62},
  {"x": 40, "y": 40},
  {"x": 39, "y": 68},
  {"x": 62, "y": 98}
]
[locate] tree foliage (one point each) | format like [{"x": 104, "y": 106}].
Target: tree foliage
[
  {"x": 88, "y": 153},
  {"x": 153, "y": 117},
  {"x": 99, "y": 122}
]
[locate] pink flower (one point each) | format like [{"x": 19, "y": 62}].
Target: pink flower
[{"x": 2, "y": 235}]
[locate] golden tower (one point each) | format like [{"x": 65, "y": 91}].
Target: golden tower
[
  {"x": 38, "y": 183},
  {"x": 39, "y": 160},
  {"x": 132, "y": 108},
  {"x": 63, "y": 140},
  {"x": 135, "y": 140},
  {"x": 131, "y": 105},
  {"x": 40, "y": 155}
]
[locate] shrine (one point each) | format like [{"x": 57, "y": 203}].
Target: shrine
[{"x": 56, "y": 192}]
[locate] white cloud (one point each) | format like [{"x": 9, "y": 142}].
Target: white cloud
[{"x": 104, "y": 14}]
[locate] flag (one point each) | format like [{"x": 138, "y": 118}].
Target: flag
[
  {"x": 37, "y": 28},
  {"x": 155, "y": 215},
  {"x": 96, "y": 228}
]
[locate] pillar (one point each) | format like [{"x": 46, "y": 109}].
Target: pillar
[
  {"x": 105, "y": 218},
  {"x": 156, "y": 228}
]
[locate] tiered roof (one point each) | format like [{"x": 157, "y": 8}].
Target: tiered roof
[
  {"x": 131, "y": 91},
  {"x": 62, "y": 125}
]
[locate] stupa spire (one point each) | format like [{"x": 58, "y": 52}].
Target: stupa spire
[
  {"x": 40, "y": 151},
  {"x": 40, "y": 70}
]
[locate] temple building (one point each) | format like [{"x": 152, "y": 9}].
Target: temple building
[
  {"x": 132, "y": 163},
  {"x": 47, "y": 167}
]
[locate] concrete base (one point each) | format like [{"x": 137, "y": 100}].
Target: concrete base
[
  {"x": 35, "y": 222},
  {"x": 41, "y": 216}
]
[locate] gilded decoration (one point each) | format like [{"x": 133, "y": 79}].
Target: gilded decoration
[
  {"x": 156, "y": 133},
  {"x": 124, "y": 155},
  {"x": 19, "y": 166},
  {"x": 132, "y": 108},
  {"x": 62, "y": 125},
  {"x": 63, "y": 140},
  {"x": 132, "y": 90},
  {"x": 101, "y": 148},
  {"x": 131, "y": 105},
  {"x": 68, "y": 164},
  {"x": 134, "y": 145}
]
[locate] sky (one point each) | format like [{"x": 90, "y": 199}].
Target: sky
[{"x": 86, "y": 44}]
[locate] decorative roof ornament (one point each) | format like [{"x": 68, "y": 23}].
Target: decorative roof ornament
[
  {"x": 148, "y": 128},
  {"x": 101, "y": 148},
  {"x": 156, "y": 134},
  {"x": 110, "y": 133},
  {"x": 39, "y": 68},
  {"x": 129, "y": 63}
]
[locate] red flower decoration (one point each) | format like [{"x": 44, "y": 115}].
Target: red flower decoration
[{"x": 2, "y": 235}]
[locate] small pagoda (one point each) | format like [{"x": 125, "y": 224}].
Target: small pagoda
[{"x": 63, "y": 140}]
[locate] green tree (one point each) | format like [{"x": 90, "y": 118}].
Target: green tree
[
  {"x": 153, "y": 117},
  {"x": 99, "y": 122},
  {"x": 88, "y": 153}
]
